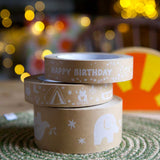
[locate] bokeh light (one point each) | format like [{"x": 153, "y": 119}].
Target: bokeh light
[
  {"x": 37, "y": 27},
  {"x": 5, "y": 13},
  {"x": 7, "y": 63},
  {"x": 45, "y": 53},
  {"x": 10, "y": 48},
  {"x": 133, "y": 8},
  {"x": 24, "y": 75},
  {"x": 6, "y": 22},
  {"x": 110, "y": 34},
  {"x": 50, "y": 30},
  {"x": 85, "y": 21},
  {"x": 19, "y": 69},
  {"x": 123, "y": 27},
  {"x": 29, "y": 15},
  {"x": 1, "y": 46},
  {"x": 59, "y": 25},
  {"x": 40, "y": 6},
  {"x": 29, "y": 7}
]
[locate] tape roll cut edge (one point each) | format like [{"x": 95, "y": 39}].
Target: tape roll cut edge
[
  {"x": 45, "y": 92},
  {"x": 91, "y": 68},
  {"x": 100, "y": 129}
]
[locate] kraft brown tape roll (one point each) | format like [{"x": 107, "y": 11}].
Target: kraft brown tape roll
[
  {"x": 43, "y": 92},
  {"x": 79, "y": 130},
  {"x": 89, "y": 67}
]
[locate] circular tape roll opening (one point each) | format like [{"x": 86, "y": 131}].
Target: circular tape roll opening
[{"x": 83, "y": 56}]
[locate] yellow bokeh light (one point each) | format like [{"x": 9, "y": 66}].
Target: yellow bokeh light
[
  {"x": 29, "y": 15},
  {"x": 139, "y": 7},
  {"x": 6, "y": 22},
  {"x": 7, "y": 63},
  {"x": 1, "y": 46},
  {"x": 19, "y": 69},
  {"x": 29, "y": 7},
  {"x": 40, "y": 6},
  {"x": 45, "y": 53},
  {"x": 39, "y": 26},
  {"x": 127, "y": 13},
  {"x": 110, "y": 35},
  {"x": 24, "y": 75},
  {"x": 5, "y": 13},
  {"x": 10, "y": 48},
  {"x": 125, "y": 3},
  {"x": 123, "y": 27},
  {"x": 149, "y": 9},
  {"x": 85, "y": 21},
  {"x": 132, "y": 8}
]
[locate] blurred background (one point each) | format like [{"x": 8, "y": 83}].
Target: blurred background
[{"x": 31, "y": 29}]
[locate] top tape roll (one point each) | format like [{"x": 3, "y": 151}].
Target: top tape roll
[{"x": 89, "y": 67}]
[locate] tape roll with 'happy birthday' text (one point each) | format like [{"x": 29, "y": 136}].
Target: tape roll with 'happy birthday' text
[
  {"x": 79, "y": 130},
  {"x": 43, "y": 92},
  {"x": 89, "y": 67}
]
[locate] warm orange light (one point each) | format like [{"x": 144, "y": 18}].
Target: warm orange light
[
  {"x": 10, "y": 48},
  {"x": 5, "y": 13},
  {"x": 59, "y": 25},
  {"x": 1, "y": 46},
  {"x": 6, "y": 22},
  {"x": 123, "y": 27}
]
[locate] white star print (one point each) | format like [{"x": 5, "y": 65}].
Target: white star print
[
  {"x": 71, "y": 124},
  {"x": 81, "y": 140}
]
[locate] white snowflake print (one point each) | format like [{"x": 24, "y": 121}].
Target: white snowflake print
[
  {"x": 71, "y": 124},
  {"x": 69, "y": 92},
  {"x": 81, "y": 140}
]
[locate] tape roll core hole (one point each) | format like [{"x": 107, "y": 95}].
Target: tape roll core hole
[{"x": 87, "y": 56}]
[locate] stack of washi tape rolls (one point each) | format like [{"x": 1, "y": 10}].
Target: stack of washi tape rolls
[{"x": 74, "y": 107}]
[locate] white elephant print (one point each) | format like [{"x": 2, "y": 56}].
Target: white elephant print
[
  {"x": 39, "y": 126},
  {"x": 82, "y": 97},
  {"x": 105, "y": 127}
]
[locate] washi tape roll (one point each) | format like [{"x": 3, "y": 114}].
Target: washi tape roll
[
  {"x": 43, "y": 92},
  {"x": 79, "y": 130},
  {"x": 89, "y": 67}
]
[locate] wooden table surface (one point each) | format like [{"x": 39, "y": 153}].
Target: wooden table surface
[
  {"x": 12, "y": 100},
  {"x": 12, "y": 97}
]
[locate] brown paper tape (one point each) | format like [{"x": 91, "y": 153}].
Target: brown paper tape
[
  {"x": 42, "y": 92},
  {"x": 79, "y": 130},
  {"x": 89, "y": 67}
]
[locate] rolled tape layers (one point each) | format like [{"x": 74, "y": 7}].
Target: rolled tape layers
[
  {"x": 95, "y": 68},
  {"x": 79, "y": 130},
  {"x": 43, "y": 92}
]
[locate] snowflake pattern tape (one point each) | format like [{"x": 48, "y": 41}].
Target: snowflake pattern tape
[
  {"x": 42, "y": 92},
  {"x": 79, "y": 130},
  {"x": 93, "y": 68}
]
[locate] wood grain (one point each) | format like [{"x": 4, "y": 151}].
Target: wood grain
[{"x": 12, "y": 97}]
